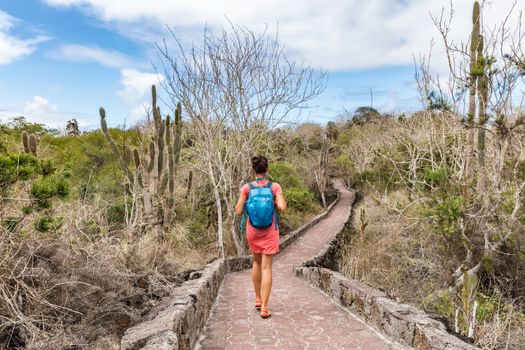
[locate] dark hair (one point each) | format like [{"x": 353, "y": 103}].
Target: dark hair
[{"x": 260, "y": 164}]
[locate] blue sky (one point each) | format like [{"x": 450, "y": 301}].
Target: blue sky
[{"x": 62, "y": 59}]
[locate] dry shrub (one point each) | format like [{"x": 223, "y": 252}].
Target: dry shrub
[
  {"x": 505, "y": 330},
  {"x": 84, "y": 285},
  {"x": 393, "y": 253}
]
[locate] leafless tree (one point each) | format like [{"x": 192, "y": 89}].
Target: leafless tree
[{"x": 235, "y": 86}]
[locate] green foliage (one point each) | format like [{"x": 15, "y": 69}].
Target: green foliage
[
  {"x": 27, "y": 209},
  {"x": 116, "y": 214},
  {"x": 442, "y": 304},
  {"x": 47, "y": 223},
  {"x": 17, "y": 167},
  {"x": 448, "y": 214},
  {"x": 285, "y": 174},
  {"x": 62, "y": 188},
  {"x": 508, "y": 201},
  {"x": 301, "y": 199},
  {"x": 21, "y": 124},
  {"x": 47, "y": 167},
  {"x": 437, "y": 177},
  {"x": 364, "y": 115},
  {"x": 45, "y": 188},
  {"x": 10, "y": 223},
  {"x": 42, "y": 190},
  {"x": 345, "y": 165},
  {"x": 297, "y": 195},
  {"x": 345, "y": 137},
  {"x": 437, "y": 101}
]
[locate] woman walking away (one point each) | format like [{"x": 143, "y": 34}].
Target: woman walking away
[{"x": 259, "y": 201}]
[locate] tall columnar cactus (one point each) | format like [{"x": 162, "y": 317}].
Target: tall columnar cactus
[
  {"x": 25, "y": 142},
  {"x": 190, "y": 181},
  {"x": 483, "y": 96},
  {"x": 155, "y": 166},
  {"x": 473, "y": 79},
  {"x": 30, "y": 143}
]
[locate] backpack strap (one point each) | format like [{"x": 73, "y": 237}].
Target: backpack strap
[
  {"x": 243, "y": 222},
  {"x": 251, "y": 185},
  {"x": 268, "y": 184}
]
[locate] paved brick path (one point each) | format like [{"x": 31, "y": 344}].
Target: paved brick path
[{"x": 302, "y": 317}]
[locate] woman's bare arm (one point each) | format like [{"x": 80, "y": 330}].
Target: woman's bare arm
[{"x": 280, "y": 202}]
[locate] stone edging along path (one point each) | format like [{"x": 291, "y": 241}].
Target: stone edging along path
[
  {"x": 177, "y": 321},
  {"x": 404, "y": 324}
]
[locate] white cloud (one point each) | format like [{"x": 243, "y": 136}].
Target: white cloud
[
  {"x": 137, "y": 85},
  {"x": 334, "y": 34},
  {"x": 40, "y": 110},
  {"x": 40, "y": 107},
  {"x": 136, "y": 90},
  {"x": 83, "y": 53},
  {"x": 140, "y": 111},
  {"x": 11, "y": 47}
]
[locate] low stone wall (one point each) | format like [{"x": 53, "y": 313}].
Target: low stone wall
[
  {"x": 176, "y": 322},
  {"x": 403, "y": 324}
]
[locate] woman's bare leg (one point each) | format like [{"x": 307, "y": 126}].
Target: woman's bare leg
[
  {"x": 266, "y": 283},
  {"x": 257, "y": 274}
]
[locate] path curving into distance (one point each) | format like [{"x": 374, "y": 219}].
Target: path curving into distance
[{"x": 302, "y": 317}]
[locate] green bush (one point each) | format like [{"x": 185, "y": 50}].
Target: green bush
[
  {"x": 45, "y": 188},
  {"x": 62, "y": 188},
  {"x": 17, "y": 167},
  {"x": 27, "y": 209},
  {"x": 300, "y": 199},
  {"x": 10, "y": 223},
  {"x": 437, "y": 176},
  {"x": 297, "y": 195},
  {"x": 344, "y": 164},
  {"x": 116, "y": 214},
  {"x": 285, "y": 174},
  {"x": 445, "y": 214},
  {"x": 47, "y": 167},
  {"x": 47, "y": 223},
  {"x": 42, "y": 190}
]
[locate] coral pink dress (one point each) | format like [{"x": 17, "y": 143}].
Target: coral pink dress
[{"x": 262, "y": 240}]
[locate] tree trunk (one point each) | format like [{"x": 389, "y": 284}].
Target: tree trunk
[
  {"x": 239, "y": 244},
  {"x": 218, "y": 204}
]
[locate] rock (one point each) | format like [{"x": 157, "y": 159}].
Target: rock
[
  {"x": 110, "y": 342},
  {"x": 162, "y": 341}
]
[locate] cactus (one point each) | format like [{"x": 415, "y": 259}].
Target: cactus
[
  {"x": 478, "y": 92},
  {"x": 190, "y": 180},
  {"x": 25, "y": 142},
  {"x": 33, "y": 144},
  {"x": 479, "y": 86},
  {"x": 154, "y": 168},
  {"x": 363, "y": 223},
  {"x": 483, "y": 96},
  {"x": 30, "y": 143},
  {"x": 474, "y": 72}
]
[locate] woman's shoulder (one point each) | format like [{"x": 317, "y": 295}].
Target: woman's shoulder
[{"x": 276, "y": 187}]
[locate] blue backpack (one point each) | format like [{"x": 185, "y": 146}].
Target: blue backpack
[{"x": 260, "y": 207}]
